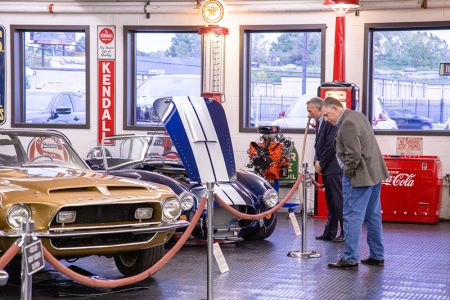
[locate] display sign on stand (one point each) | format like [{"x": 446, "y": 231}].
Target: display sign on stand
[
  {"x": 106, "y": 81},
  {"x": 34, "y": 257}
]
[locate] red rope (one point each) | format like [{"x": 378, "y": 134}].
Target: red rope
[
  {"x": 113, "y": 283},
  {"x": 9, "y": 255},
  {"x": 263, "y": 214},
  {"x": 274, "y": 209}
]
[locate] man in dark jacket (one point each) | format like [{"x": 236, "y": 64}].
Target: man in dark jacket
[
  {"x": 325, "y": 162},
  {"x": 364, "y": 169}
]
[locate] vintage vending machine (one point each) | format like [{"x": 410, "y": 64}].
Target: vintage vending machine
[{"x": 348, "y": 94}]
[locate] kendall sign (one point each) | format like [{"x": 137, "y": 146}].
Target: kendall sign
[{"x": 106, "y": 81}]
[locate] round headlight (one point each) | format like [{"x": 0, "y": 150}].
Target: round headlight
[
  {"x": 17, "y": 214},
  {"x": 270, "y": 198},
  {"x": 171, "y": 209},
  {"x": 187, "y": 200}
]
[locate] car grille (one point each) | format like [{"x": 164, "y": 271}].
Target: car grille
[
  {"x": 104, "y": 240},
  {"x": 108, "y": 213},
  {"x": 223, "y": 218}
]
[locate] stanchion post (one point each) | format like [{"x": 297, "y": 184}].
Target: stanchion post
[
  {"x": 306, "y": 182},
  {"x": 304, "y": 252},
  {"x": 210, "y": 235},
  {"x": 27, "y": 280}
]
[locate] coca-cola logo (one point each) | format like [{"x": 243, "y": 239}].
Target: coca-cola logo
[{"x": 399, "y": 179}]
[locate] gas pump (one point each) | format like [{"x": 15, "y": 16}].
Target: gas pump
[{"x": 348, "y": 94}]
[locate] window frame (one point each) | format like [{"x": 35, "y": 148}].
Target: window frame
[
  {"x": 367, "y": 109},
  {"x": 129, "y": 70},
  {"x": 17, "y": 74},
  {"x": 245, "y": 67}
]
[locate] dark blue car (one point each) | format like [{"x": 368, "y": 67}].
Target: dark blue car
[
  {"x": 154, "y": 159},
  {"x": 407, "y": 119}
]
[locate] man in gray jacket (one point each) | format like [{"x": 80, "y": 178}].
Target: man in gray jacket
[{"x": 364, "y": 169}]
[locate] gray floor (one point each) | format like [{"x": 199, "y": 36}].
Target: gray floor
[{"x": 417, "y": 267}]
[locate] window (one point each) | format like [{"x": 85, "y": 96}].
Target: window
[
  {"x": 160, "y": 62},
  {"x": 404, "y": 89},
  {"x": 282, "y": 67},
  {"x": 50, "y": 85}
]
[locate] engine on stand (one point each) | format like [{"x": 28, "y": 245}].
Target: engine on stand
[{"x": 270, "y": 155}]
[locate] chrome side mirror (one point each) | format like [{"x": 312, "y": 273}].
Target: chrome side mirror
[{"x": 3, "y": 277}]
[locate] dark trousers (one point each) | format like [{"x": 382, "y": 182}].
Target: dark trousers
[{"x": 333, "y": 194}]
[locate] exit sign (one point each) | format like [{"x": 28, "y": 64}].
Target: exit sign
[{"x": 444, "y": 69}]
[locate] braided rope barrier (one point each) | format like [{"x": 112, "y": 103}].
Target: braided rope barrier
[
  {"x": 113, "y": 283},
  {"x": 9, "y": 255}
]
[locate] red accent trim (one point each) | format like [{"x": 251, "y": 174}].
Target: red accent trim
[
  {"x": 106, "y": 99},
  {"x": 213, "y": 95},
  {"x": 213, "y": 29},
  {"x": 335, "y": 2},
  {"x": 339, "y": 50},
  {"x": 50, "y": 7}
]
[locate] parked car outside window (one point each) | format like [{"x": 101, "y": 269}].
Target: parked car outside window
[
  {"x": 296, "y": 116},
  {"x": 50, "y": 106},
  {"x": 407, "y": 119},
  {"x": 380, "y": 118}
]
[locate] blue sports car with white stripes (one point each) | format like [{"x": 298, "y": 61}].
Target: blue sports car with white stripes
[
  {"x": 187, "y": 159},
  {"x": 153, "y": 158}
]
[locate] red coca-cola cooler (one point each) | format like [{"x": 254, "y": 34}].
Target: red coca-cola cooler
[{"x": 412, "y": 193}]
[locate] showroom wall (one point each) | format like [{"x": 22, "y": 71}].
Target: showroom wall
[{"x": 84, "y": 139}]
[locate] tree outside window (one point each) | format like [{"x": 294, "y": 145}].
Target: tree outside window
[
  {"x": 283, "y": 68},
  {"x": 407, "y": 91}
]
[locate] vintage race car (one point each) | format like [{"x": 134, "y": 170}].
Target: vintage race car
[
  {"x": 78, "y": 212},
  {"x": 154, "y": 158}
]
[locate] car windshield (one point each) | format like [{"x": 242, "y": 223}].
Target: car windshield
[
  {"x": 124, "y": 150},
  {"x": 37, "y": 149}
]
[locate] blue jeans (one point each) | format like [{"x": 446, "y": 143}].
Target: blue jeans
[{"x": 362, "y": 204}]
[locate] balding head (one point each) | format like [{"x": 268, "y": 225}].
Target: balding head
[{"x": 332, "y": 110}]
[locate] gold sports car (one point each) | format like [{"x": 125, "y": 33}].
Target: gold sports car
[{"x": 78, "y": 212}]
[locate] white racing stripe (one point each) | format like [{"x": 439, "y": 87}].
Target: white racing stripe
[
  {"x": 203, "y": 139},
  {"x": 227, "y": 192}
]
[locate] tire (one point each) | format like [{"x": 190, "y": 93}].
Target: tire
[
  {"x": 14, "y": 268},
  {"x": 135, "y": 262},
  {"x": 260, "y": 233}
]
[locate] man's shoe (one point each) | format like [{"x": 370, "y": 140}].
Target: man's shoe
[
  {"x": 373, "y": 262},
  {"x": 343, "y": 264},
  {"x": 339, "y": 239},
  {"x": 324, "y": 238}
]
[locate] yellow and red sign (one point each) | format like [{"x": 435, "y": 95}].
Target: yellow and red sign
[
  {"x": 106, "y": 81},
  {"x": 212, "y": 11}
]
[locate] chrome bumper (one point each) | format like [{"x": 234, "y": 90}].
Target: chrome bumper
[{"x": 66, "y": 232}]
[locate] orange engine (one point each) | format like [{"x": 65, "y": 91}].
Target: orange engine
[{"x": 270, "y": 154}]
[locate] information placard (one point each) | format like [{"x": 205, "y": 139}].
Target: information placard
[{"x": 34, "y": 257}]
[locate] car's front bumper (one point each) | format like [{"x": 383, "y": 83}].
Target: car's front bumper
[{"x": 67, "y": 232}]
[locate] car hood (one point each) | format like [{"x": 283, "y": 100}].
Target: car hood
[
  {"x": 62, "y": 186},
  {"x": 199, "y": 129}
]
